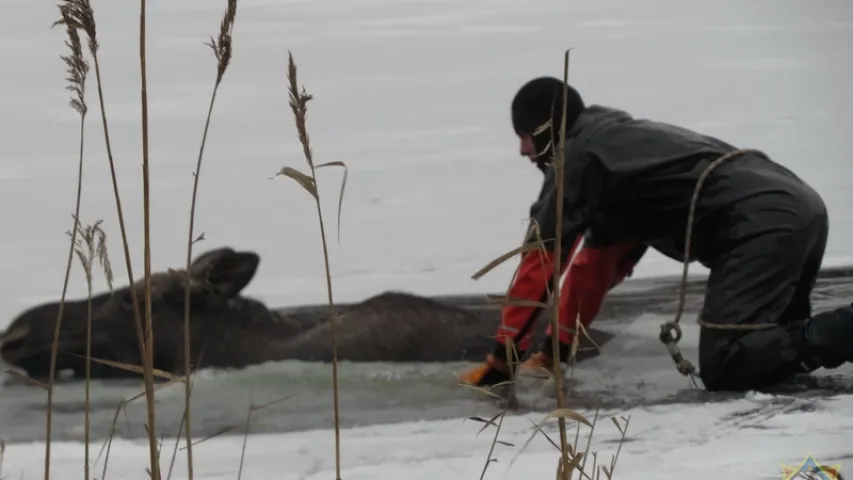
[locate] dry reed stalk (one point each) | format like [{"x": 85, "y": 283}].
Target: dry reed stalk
[
  {"x": 81, "y": 16},
  {"x": 253, "y": 407},
  {"x": 148, "y": 357},
  {"x": 511, "y": 385},
  {"x": 623, "y": 430},
  {"x": 94, "y": 239},
  {"x": 78, "y": 70},
  {"x": 511, "y": 353},
  {"x": 177, "y": 443},
  {"x": 298, "y": 104},
  {"x": 222, "y": 51},
  {"x": 555, "y": 322},
  {"x": 122, "y": 406}
]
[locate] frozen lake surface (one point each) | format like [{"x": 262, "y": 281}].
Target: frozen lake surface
[{"x": 414, "y": 97}]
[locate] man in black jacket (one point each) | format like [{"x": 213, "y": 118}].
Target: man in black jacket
[{"x": 759, "y": 228}]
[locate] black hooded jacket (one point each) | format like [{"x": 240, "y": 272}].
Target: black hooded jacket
[{"x": 634, "y": 178}]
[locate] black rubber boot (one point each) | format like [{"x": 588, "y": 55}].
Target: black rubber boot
[
  {"x": 500, "y": 352},
  {"x": 493, "y": 377},
  {"x": 828, "y": 337},
  {"x": 547, "y": 348}
]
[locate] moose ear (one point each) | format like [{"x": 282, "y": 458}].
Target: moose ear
[{"x": 226, "y": 270}]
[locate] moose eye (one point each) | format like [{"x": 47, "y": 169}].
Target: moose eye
[{"x": 125, "y": 299}]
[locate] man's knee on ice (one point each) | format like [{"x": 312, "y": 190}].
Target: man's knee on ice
[
  {"x": 738, "y": 360},
  {"x": 716, "y": 349}
]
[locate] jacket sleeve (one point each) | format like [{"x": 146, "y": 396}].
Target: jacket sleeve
[
  {"x": 595, "y": 271},
  {"x": 535, "y": 272}
]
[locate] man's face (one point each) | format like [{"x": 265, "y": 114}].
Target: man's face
[{"x": 526, "y": 146}]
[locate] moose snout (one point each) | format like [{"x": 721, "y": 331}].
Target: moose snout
[{"x": 11, "y": 340}]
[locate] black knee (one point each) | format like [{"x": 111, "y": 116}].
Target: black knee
[
  {"x": 718, "y": 380},
  {"x": 718, "y": 376},
  {"x": 716, "y": 349},
  {"x": 751, "y": 360},
  {"x": 713, "y": 383}
]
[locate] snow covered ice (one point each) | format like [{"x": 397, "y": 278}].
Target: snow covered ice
[
  {"x": 413, "y": 96},
  {"x": 750, "y": 438}
]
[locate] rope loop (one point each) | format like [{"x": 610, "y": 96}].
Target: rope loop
[{"x": 670, "y": 332}]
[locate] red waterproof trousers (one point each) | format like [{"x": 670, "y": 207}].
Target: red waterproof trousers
[{"x": 592, "y": 274}]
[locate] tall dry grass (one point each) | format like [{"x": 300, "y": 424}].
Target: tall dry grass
[
  {"x": 78, "y": 16},
  {"x": 89, "y": 245},
  {"x": 299, "y": 99},
  {"x": 78, "y": 70},
  {"x": 222, "y": 50},
  {"x": 2, "y": 457}
]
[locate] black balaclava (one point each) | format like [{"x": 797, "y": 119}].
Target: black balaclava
[{"x": 532, "y": 114}]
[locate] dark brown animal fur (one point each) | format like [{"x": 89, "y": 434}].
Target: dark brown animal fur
[{"x": 229, "y": 330}]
